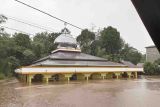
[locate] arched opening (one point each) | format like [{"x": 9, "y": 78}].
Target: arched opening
[
  {"x": 114, "y": 75},
  {"x": 96, "y": 76},
  {"x": 132, "y": 75},
  {"x": 124, "y": 75},
  {"x": 74, "y": 77},
  {"x": 110, "y": 75},
  {"x": 57, "y": 77},
  {"x": 78, "y": 76},
  {"x": 38, "y": 78}
]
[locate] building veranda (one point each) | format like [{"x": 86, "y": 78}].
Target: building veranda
[{"x": 67, "y": 62}]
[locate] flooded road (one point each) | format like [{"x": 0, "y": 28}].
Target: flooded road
[{"x": 95, "y": 93}]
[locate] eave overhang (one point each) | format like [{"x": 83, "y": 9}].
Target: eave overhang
[{"x": 55, "y": 70}]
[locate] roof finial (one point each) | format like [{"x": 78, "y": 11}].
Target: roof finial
[
  {"x": 65, "y": 24},
  {"x": 65, "y": 30}
]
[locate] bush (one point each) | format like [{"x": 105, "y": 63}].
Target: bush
[
  {"x": 157, "y": 61},
  {"x": 151, "y": 68}
]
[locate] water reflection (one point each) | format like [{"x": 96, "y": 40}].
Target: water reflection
[{"x": 96, "y": 93}]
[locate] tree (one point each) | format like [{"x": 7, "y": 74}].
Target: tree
[
  {"x": 96, "y": 48},
  {"x": 111, "y": 40},
  {"x": 51, "y": 38},
  {"x": 8, "y": 60},
  {"x": 2, "y": 20},
  {"x": 22, "y": 43},
  {"x": 40, "y": 44},
  {"x": 85, "y": 40},
  {"x": 29, "y": 57},
  {"x": 9, "y": 65},
  {"x": 148, "y": 68},
  {"x": 43, "y": 43},
  {"x": 109, "y": 45},
  {"x": 143, "y": 59},
  {"x": 131, "y": 54},
  {"x": 22, "y": 40},
  {"x": 134, "y": 57}
]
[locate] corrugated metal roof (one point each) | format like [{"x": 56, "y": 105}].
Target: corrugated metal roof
[
  {"x": 74, "y": 56},
  {"x": 71, "y": 58},
  {"x": 51, "y": 62},
  {"x": 128, "y": 63},
  {"x": 66, "y": 55}
]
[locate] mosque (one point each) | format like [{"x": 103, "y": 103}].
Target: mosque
[{"x": 67, "y": 63}]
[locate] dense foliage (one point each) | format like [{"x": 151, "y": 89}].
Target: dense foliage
[
  {"x": 108, "y": 44},
  {"x": 21, "y": 50},
  {"x": 151, "y": 68}
]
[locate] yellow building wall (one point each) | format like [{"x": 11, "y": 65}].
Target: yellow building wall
[
  {"x": 80, "y": 77},
  {"x": 96, "y": 76}
]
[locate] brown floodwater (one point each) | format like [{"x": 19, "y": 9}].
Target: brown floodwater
[{"x": 94, "y": 93}]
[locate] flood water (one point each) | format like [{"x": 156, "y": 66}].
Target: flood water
[{"x": 94, "y": 93}]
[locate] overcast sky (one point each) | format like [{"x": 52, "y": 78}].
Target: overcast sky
[{"x": 120, "y": 14}]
